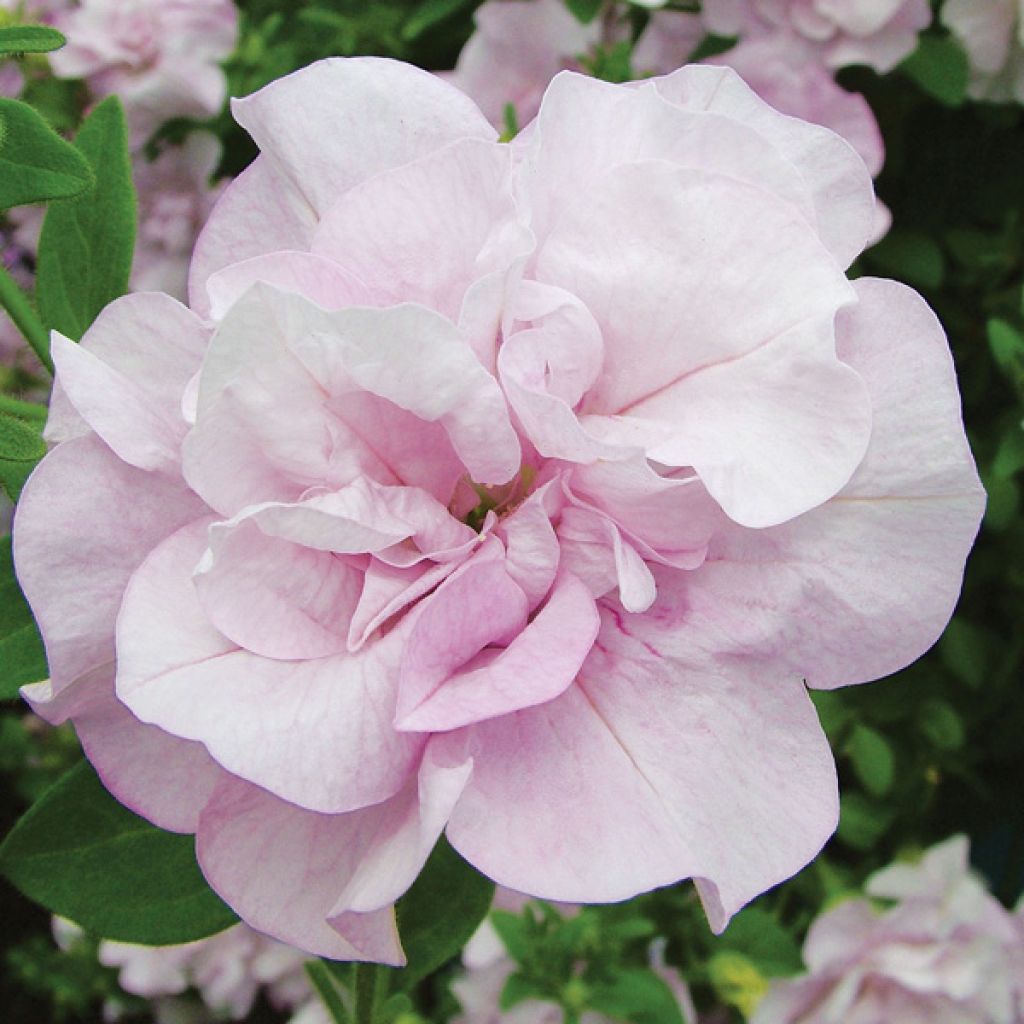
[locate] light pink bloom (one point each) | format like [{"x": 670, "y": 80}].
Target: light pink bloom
[
  {"x": 160, "y": 56},
  {"x": 513, "y": 491},
  {"x": 946, "y": 953},
  {"x": 517, "y": 48},
  {"x": 175, "y": 198},
  {"x": 879, "y": 33},
  {"x": 992, "y": 33}
]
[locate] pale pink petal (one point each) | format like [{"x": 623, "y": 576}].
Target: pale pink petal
[
  {"x": 654, "y": 767},
  {"x": 312, "y": 123},
  {"x": 558, "y": 639},
  {"x": 149, "y": 346},
  {"x": 313, "y": 277},
  {"x": 836, "y": 179},
  {"x": 477, "y": 606},
  {"x": 282, "y": 867},
  {"x": 425, "y": 232},
  {"x": 531, "y": 547},
  {"x": 517, "y": 48},
  {"x": 587, "y": 128},
  {"x": 316, "y": 732},
  {"x": 260, "y": 212},
  {"x": 863, "y": 585},
  {"x": 273, "y": 597},
  {"x": 88, "y": 517},
  {"x": 165, "y": 779},
  {"x": 666, "y": 341}
]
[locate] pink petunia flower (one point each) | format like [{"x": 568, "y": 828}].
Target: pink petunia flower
[
  {"x": 517, "y": 47},
  {"x": 878, "y": 33},
  {"x": 946, "y": 953},
  {"x": 992, "y": 33},
  {"x": 510, "y": 491},
  {"x": 160, "y": 56}
]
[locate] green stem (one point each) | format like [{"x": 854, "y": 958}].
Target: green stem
[
  {"x": 371, "y": 987},
  {"x": 20, "y": 310},
  {"x": 320, "y": 977},
  {"x": 30, "y": 411}
]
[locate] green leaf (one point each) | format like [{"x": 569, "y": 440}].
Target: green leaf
[
  {"x": 21, "y": 649},
  {"x": 1007, "y": 347},
  {"x": 964, "y": 649},
  {"x": 440, "y": 912},
  {"x": 1009, "y": 458},
  {"x": 86, "y": 245},
  {"x": 36, "y": 164},
  {"x": 81, "y": 854},
  {"x": 873, "y": 759},
  {"x": 758, "y": 935},
  {"x": 431, "y": 13},
  {"x": 941, "y": 724},
  {"x": 912, "y": 256},
  {"x": 517, "y": 989},
  {"x": 21, "y": 448},
  {"x": 940, "y": 67},
  {"x": 737, "y": 981},
  {"x": 584, "y": 11},
  {"x": 30, "y": 39},
  {"x": 861, "y": 822},
  {"x": 638, "y": 996}
]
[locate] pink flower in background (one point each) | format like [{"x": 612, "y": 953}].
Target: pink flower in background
[
  {"x": 510, "y": 491},
  {"x": 878, "y": 33},
  {"x": 992, "y": 33},
  {"x": 160, "y": 56},
  {"x": 227, "y": 970},
  {"x": 517, "y": 48},
  {"x": 175, "y": 198},
  {"x": 946, "y": 953}
]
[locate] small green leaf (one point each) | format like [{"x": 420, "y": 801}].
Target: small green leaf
[
  {"x": 940, "y": 723},
  {"x": 21, "y": 649},
  {"x": 861, "y": 822},
  {"x": 36, "y": 164},
  {"x": 758, "y": 935},
  {"x": 1009, "y": 458},
  {"x": 638, "y": 996},
  {"x": 429, "y": 14},
  {"x": 584, "y": 11},
  {"x": 1007, "y": 347},
  {"x": 86, "y": 245},
  {"x": 82, "y": 855},
  {"x": 737, "y": 981},
  {"x": 30, "y": 39},
  {"x": 940, "y": 67},
  {"x": 964, "y": 648},
  {"x": 517, "y": 989},
  {"x": 440, "y": 912},
  {"x": 872, "y": 758},
  {"x": 21, "y": 448},
  {"x": 911, "y": 256}
]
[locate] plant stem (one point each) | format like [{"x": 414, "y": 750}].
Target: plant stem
[
  {"x": 320, "y": 976},
  {"x": 371, "y": 986},
  {"x": 20, "y": 310}
]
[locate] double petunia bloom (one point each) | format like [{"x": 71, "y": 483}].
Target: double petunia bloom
[{"x": 515, "y": 491}]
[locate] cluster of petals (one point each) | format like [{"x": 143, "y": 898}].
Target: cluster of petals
[
  {"x": 519, "y": 45},
  {"x": 227, "y": 971},
  {"x": 511, "y": 491},
  {"x": 992, "y": 33},
  {"x": 878, "y": 33},
  {"x": 161, "y": 57},
  {"x": 944, "y": 952}
]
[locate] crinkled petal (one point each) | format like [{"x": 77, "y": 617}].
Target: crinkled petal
[
  {"x": 656, "y": 766},
  {"x": 863, "y": 585},
  {"x": 313, "y": 123},
  {"x": 836, "y": 178},
  {"x": 538, "y": 665},
  {"x": 84, "y": 523},
  {"x": 315, "y": 732}
]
